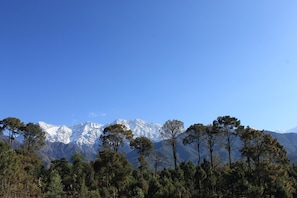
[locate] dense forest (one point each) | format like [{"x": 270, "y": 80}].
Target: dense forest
[{"x": 264, "y": 169}]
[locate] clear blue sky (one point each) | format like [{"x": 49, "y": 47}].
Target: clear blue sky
[{"x": 69, "y": 61}]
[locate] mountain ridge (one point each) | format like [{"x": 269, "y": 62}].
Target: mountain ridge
[
  {"x": 84, "y": 138},
  {"x": 88, "y": 133}
]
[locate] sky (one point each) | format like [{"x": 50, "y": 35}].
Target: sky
[{"x": 68, "y": 62}]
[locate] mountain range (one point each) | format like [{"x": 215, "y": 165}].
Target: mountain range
[
  {"x": 87, "y": 134},
  {"x": 84, "y": 138}
]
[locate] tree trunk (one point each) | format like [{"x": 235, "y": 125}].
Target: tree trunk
[
  {"x": 198, "y": 150},
  {"x": 229, "y": 155},
  {"x": 211, "y": 160},
  {"x": 174, "y": 154}
]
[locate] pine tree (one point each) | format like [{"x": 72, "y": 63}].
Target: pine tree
[
  {"x": 212, "y": 137},
  {"x": 14, "y": 180},
  {"x": 144, "y": 147},
  {"x": 230, "y": 127},
  {"x": 169, "y": 132},
  {"x": 55, "y": 187},
  {"x": 13, "y": 125},
  {"x": 195, "y": 135},
  {"x": 112, "y": 171},
  {"x": 34, "y": 137},
  {"x": 114, "y": 137}
]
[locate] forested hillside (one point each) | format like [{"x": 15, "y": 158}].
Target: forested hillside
[{"x": 222, "y": 159}]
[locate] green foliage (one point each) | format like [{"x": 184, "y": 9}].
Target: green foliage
[
  {"x": 13, "y": 125},
  {"x": 17, "y": 173},
  {"x": 63, "y": 168},
  {"x": 212, "y": 137},
  {"x": 10, "y": 171},
  {"x": 170, "y": 131},
  {"x": 263, "y": 171},
  {"x": 195, "y": 135},
  {"x": 114, "y": 136},
  {"x": 230, "y": 128},
  {"x": 55, "y": 188},
  {"x": 112, "y": 169},
  {"x": 142, "y": 145},
  {"x": 94, "y": 194},
  {"x": 83, "y": 189},
  {"x": 34, "y": 137},
  {"x": 77, "y": 173}
]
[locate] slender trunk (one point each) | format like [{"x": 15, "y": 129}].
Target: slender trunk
[
  {"x": 174, "y": 154},
  {"x": 230, "y": 164},
  {"x": 249, "y": 162},
  {"x": 229, "y": 150},
  {"x": 198, "y": 151},
  {"x": 229, "y": 155},
  {"x": 10, "y": 138},
  {"x": 211, "y": 160},
  {"x": 156, "y": 167}
]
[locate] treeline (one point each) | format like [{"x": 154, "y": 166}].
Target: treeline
[{"x": 264, "y": 169}]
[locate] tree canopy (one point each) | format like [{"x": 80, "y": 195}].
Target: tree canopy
[
  {"x": 170, "y": 131},
  {"x": 230, "y": 128},
  {"x": 13, "y": 125},
  {"x": 34, "y": 137},
  {"x": 263, "y": 170},
  {"x": 114, "y": 136},
  {"x": 195, "y": 134}
]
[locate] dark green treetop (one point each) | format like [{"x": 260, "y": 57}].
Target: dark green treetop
[{"x": 114, "y": 136}]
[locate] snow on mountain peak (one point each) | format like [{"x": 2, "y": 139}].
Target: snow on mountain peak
[
  {"x": 56, "y": 133},
  {"x": 89, "y": 133},
  {"x": 142, "y": 128}
]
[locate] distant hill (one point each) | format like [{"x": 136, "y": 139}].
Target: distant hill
[
  {"x": 184, "y": 153},
  {"x": 64, "y": 141},
  {"x": 289, "y": 142}
]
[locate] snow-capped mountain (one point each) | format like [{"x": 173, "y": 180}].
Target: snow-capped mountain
[
  {"x": 142, "y": 128},
  {"x": 56, "y": 133},
  {"x": 87, "y": 134}
]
